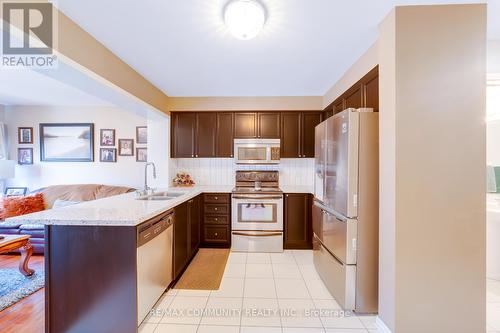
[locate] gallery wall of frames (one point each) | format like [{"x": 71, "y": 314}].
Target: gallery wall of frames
[{"x": 57, "y": 145}]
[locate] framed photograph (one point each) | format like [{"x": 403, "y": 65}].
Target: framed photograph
[
  {"x": 126, "y": 147},
  {"x": 107, "y": 137},
  {"x": 15, "y": 191},
  {"x": 67, "y": 142},
  {"x": 141, "y": 154},
  {"x": 141, "y": 134},
  {"x": 25, "y": 135},
  {"x": 108, "y": 155},
  {"x": 25, "y": 156}
]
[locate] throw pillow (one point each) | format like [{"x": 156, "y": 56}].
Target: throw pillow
[{"x": 16, "y": 206}]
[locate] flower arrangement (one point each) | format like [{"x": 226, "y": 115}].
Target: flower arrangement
[{"x": 183, "y": 179}]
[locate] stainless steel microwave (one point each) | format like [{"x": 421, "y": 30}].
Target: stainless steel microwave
[{"x": 257, "y": 151}]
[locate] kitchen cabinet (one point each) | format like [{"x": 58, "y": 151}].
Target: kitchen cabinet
[
  {"x": 193, "y": 134},
  {"x": 186, "y": 233},
  {"x": 268, "y": 125},
  {"x": 297, "y": 133},
  {"x": 225, "y": 134},
  {"x": 206, "y": 134},
  {"x": 216, "y": 228},
  {"x": 183, "y": 134},
  {"x": 245, "y": 125},
  {"x": 297, "y": 221},
  {"x": 362, "y": 94},
  {"x": 262, "y": 125}
]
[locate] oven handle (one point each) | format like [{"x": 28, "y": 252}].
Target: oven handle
[
  {"x": 257, "y": 197},
  {"x": 268, "y": 234}
]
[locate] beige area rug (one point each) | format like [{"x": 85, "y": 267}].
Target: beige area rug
[{"x": 205, "y": 270}]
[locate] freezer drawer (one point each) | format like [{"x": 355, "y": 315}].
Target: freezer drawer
[
  {"x": 339, "y": 236},
  {"x": 340, "y": 279}
]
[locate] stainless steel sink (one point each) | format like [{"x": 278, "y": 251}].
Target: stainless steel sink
[{"x": 161, "y": 196}]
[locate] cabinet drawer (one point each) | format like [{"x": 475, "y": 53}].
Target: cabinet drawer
[
  {"x": 216, "y": 234},
  {"x": 216, "y": 219},
  {"x": 217, "y": 209},
  {"x": 217, "y": 198}
]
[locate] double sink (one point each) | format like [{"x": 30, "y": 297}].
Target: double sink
[{"x": 166, "y": 195}]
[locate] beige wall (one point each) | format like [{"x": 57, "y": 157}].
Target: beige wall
[
  {"x": 245, "y": 103},
  {"x": 362, "y": 66},
  {"x": 432, "y": 83}
]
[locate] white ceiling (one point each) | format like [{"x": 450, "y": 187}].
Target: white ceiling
[
  {"x": 27, "y": 87},
  {"x": 183, "y": 48}
]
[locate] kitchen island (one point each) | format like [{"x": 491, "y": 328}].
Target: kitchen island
[{"x": 91, "y": 260}]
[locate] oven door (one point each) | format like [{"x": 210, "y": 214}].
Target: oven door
[{"x": 257, "y": 212}]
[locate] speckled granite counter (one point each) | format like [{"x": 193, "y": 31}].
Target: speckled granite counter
[{"x": 120, "y": 210}]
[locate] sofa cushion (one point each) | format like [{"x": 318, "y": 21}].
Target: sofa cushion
[
  {"x": 34, "y": 233},
  {"x": 80, "y": 192},
  {"x": 16, "y": 206},
  {"x": 32, "y": 227}
]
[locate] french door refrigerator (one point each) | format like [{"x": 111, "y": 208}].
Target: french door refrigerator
[{"x": 345, "y": 211}]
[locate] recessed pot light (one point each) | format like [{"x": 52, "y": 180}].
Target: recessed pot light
[{"x": 244, "y": 18}]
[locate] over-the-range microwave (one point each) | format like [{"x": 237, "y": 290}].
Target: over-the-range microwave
[{"x": 257, "y": 151}]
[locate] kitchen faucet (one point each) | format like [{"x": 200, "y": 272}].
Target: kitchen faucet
[{"x": 146, "y": 187}]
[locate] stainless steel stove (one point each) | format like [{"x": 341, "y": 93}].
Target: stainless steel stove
[{"x": 257, "y": 212}]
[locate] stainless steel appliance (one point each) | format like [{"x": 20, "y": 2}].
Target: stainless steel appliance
[
  {"x": 345, "y": 211},
  {"x": 257, "y": 212},
  {"x": 154, "y": 262},
  {"x": 257, "y": 151}
]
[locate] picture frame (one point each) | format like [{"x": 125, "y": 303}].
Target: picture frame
[
  {"x": 67, "y": 142},
  {"x": 141, "y": 154},
  {"x": 126, "y": 147},
  {"x": 141, "y": 134},
  {"x": 107, "y": 137},
  {"x": 25, "y": 156},
  {"x": 25, "y": 135},
  {"x": 15, "y": 191},
  {"x": 107, "y": 155}
]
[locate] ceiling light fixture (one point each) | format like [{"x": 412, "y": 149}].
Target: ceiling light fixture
[{"x": 244, "y": 18}]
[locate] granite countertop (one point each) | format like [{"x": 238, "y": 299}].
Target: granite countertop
[{"x": 120, "y": 210}]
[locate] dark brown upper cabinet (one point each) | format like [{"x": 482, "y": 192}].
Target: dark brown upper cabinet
[
  {"x": 251, "y": 125},
  {"x": 309, "y": 122},
  {"x": 297, "y": 133},
  {"x": 225, "y": 134},
  {"x": 268, "y": 125},
  {"x": 362, "y": 94},
  {"x": 245, "y": 125},
  {"x": 183, "y": 134},
  {"x": 206, "y": 134},
  {"x": 354, "y": 98},
  {"x": 290, "y": 135}
]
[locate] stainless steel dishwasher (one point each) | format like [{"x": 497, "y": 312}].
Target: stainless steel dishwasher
[{"x": 154, "y": 262}]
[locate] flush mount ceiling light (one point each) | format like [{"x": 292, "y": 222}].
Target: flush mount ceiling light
[{"x": 244, "y": 18}]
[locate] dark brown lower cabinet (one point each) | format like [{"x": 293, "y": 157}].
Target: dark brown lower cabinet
[
  {"x": 186, "y": 234},
  {"x": 298, "y": 221},
  {"x": 216, "y": 228}
]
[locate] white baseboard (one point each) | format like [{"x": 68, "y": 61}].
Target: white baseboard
[{"x": 381, "y": 326}]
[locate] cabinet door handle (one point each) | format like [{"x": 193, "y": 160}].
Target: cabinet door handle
[
  {"x": 216, "y": 208},
  {"x": 216, "y": 219},
  {"x": 216, "y": 198},
  {"x": 216, "y": 234},
  {"x": 192, "y": 155}
]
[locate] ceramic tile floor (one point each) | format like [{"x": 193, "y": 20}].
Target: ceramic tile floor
[
  {"x": 270, "y": 293},
  {"x": 260, "y": 292}
]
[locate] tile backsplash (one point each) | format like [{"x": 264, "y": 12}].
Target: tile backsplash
[{"x": 221, "y": 171}]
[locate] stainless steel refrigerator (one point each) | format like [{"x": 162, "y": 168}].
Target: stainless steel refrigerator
[{"x": 345, "y": 211}]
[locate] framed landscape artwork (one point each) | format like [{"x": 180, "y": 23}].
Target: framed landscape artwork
[
  {"x": 107, "y": 137},
  {"x": 67, "y": 142},
  {"x": 25, "y": 156},
  {"x": 141, "y": 155},
  {"x": 141, "y": 133},
  {"x": 25, "y": 135},
  {"x": 126, "y": 147}
]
